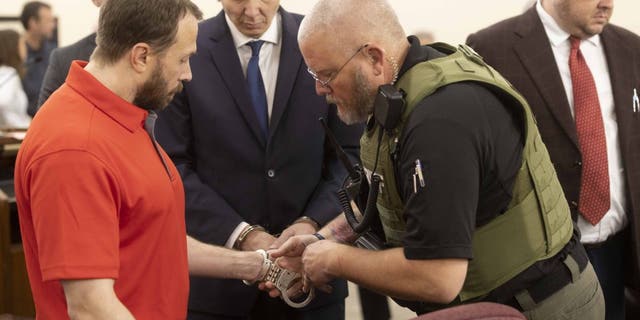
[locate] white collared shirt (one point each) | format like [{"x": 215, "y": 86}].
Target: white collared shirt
[
  {"x": 13, "y": 100},
  {"x": 593, "y": 52},
  {"x": 269, "y": 64},
  {"x": 269, "y": 54}
]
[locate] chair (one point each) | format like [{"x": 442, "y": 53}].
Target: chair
[{"x": 475, "y": 311}]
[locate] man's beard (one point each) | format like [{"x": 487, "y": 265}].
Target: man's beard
[
  {"x": 152, "y": 95},
  {"x": 360, "y": 106}
]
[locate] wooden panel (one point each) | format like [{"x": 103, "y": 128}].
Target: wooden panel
[
  {"x": 4, "y": 252},
  {"x": 15, "y": 293},
  {"x": 20, "y": 299}
]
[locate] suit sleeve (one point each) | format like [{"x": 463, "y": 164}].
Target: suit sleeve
[
  {"x": 323, "y": 205},
  {"x": 210, "y": 218},
  {"x": 472, "y": 41},
  {"x": 54, "y": 77}
]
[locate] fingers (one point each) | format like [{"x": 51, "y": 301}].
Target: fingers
[
  {"x": 291, "y": 248},
  {"x": 306, "y": 283},
  {"x": 290, "y": 263},
  {"x": 284, "y": 236},
  {"x": 325, "y": 288},
  {"x": 270, "y": 288}
]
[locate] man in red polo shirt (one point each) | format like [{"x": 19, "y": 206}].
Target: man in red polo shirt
[{"x": 101, "y": 205}]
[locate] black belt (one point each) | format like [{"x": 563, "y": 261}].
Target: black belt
[
  {"x": 554, "y": 281},
  {"x": 598, "y": 245}
]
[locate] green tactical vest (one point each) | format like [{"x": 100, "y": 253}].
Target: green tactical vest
[{"x": 537, "y": 223}]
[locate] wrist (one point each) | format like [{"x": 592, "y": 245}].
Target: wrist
[
  {"x": 246, "y": 233},
  {"x": 334, "y": 260},
  {"x": 260, "y": 261},
  {"x": 304, "y": 219}
]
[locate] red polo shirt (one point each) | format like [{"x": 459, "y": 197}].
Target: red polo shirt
[{"x": 95, "y": 201}]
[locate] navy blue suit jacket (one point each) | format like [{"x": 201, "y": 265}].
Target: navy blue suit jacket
[{"x": 231, "y": 173}]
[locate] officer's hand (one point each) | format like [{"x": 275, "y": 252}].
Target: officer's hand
[
  {"x": 317, "y": 259},
  {"x": 288, "y": 256},
  {"x": 293, "y": 247},
  {"x": 295, "y": 229}
]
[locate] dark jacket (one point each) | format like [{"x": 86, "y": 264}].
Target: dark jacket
[
  {"x": 520, "y": 50},
  {"x": 231, "y": 173}
]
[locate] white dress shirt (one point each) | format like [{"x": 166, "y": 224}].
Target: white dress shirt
[
  {"x": 269, "y": 63},
  {"x": 615, "y": 219},
  {"x": 269, "y": 54},
  {"x": 13, "y": 100}
]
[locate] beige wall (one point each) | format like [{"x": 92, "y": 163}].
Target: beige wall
[{"x": 450, "y": 20}]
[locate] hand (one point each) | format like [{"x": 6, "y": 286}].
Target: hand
[
  {"x": 293, "y": 247},
  {"x": 295, "y": 229},
  {"x": 317, "y": 259},
  {"x": 315, "y": 273},
  {"x": 257, "y": 240},
  {"x": 288, "y": 256}
]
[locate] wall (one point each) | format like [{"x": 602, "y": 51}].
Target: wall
[{"x": 451, "y": 21}]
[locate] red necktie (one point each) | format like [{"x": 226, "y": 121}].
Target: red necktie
[{"x": 594, "y": 187}]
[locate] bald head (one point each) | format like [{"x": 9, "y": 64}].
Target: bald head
[
  {"x": 352, "y": 22},
  {"x": 351, "y": 47}
]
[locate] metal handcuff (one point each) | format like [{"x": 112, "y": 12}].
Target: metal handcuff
[{"x": 281, "y": 278}]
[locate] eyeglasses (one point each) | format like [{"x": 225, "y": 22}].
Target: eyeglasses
[{"x": 325, "y": 83}]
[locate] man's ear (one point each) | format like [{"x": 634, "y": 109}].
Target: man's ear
[
  {"x": 140, "y": 57},
  {"x": 375, "y": 55}
]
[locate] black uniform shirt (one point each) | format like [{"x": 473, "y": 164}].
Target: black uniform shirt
[{"x": 470, "y": 146}]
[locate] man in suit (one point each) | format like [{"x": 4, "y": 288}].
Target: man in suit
[
  {"x": 60, "y": 60},
  {"x": 541, "y": 53},
  {"x": 39, "y": 25},
  {"x": 252, "y": 174}
]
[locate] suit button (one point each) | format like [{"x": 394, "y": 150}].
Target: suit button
[
  {"x": 573, "y": 204},
  {"x": 271, "y": 173},
  {"x": 578, "y": 163}
]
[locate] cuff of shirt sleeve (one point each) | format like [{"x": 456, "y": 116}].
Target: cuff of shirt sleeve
[{"x": 235, "y": 234}]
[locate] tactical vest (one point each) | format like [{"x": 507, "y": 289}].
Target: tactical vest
[{"x": 537, "y": 223}]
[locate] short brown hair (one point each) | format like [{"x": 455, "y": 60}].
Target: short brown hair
[
  {"x": 31, "y": 10},
  {"x": 9, "y": 54},
  {"x": 123, "y": 23}
]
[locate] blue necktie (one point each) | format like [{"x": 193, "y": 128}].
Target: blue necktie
[{"x": 256, "y": 86}]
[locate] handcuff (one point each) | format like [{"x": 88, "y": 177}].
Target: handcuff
[{"x": 281, "y": 278}]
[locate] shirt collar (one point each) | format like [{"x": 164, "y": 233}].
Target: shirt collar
[
  {"x": 123, "y": 112},
  {"x": 555, "y": 33},
  {"x": 272, "y": 35}
]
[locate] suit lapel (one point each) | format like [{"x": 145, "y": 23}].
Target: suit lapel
[
  {"x": 537, "y": 57},
  {"x": 290, "y": 61},
  {"x": 224, "y": 55},
  {"x": 619, "y": 58}
]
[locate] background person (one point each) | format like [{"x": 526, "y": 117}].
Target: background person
[
  {"x": 586, "y": 119},
  {"x": 254, "y": 159},
  {"x": 13, "y": 100},
  {"x": 60, "y": 60},
  {"x": 39, "y": 24}
]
